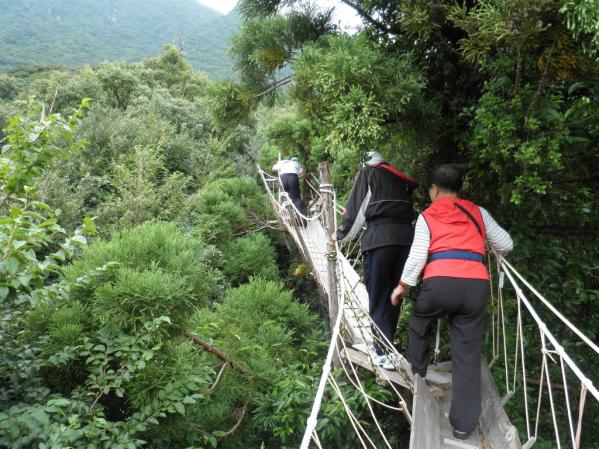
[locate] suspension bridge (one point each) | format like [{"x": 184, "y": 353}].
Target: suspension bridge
[{"x": 425, "y": 403}]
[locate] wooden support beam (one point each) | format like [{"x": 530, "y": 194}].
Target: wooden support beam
[
  {"x": 326, "y": 191},
  {"x": 425, "y": 415},
  {"x": 494, "y": 424}
]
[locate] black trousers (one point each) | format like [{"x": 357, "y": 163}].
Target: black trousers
[
  {"x": 291, "y": 185},
  {"x": 382, "y": 272},
  {"x": 464, "y": 301}
]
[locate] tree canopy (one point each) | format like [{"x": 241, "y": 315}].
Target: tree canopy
[{"x": 75, "y": 33}]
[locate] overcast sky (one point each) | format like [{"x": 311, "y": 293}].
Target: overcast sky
[{"x": 344, "y": 15}]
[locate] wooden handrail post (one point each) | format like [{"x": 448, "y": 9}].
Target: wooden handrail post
[{"x": 326, "y": 191}]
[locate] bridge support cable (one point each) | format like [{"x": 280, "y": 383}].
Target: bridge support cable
[
  {"x": 566, "y": 427},
  {"x": 552, "y": 308},
  {"x": 326, "y": 370}
]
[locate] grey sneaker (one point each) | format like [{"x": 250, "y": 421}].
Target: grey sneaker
[
  {"x": 388, "y": 362},
  {"x": 374, "y": 355}
]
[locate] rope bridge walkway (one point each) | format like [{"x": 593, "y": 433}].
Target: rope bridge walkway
[{"x": 545, "y": 396}]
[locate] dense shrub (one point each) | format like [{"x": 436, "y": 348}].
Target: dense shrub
[
  {"x": 228, "y": 207},
  {"x": 157, "y": 270},
  {"x": 260, "y": 326},
  {"x": 252, "y": 255},
  {"x": 144, "y": 189}
]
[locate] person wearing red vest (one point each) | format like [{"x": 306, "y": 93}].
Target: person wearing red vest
[{"x": 449, "y": 246}]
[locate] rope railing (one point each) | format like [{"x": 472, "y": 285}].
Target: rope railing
[
  {"x": 567, "y": 427},
  {"x": 509, "y": 356}
]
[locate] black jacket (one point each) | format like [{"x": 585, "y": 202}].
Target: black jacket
[{"x": 381, "y": 198}]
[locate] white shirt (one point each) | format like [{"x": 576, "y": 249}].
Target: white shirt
[
  {"x": 497, "y": 238},
  {"x": 287, "y": 166}
]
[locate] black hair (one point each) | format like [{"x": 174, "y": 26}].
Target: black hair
[{"x": 447, "y": 177}]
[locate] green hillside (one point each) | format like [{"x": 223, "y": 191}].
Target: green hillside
[{"x": 79, "y": 32}]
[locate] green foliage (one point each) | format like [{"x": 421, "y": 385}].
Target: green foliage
[
  {"x": 228, "y": 207},
  {"x": 118, "y": 81},
  {"x": 252, "y": 255},
  {"x": 58, "y": 423},
  {"x": 268, "y": 42},
  {"x": 260, "y": 326},
  {"x": 292, "y": 135},
  {"x": 9, "y": 86},
  {"x": 264, "y": 311},
  {"x": 582, "y": 18},
  {"x": 171, "y": 69},
  {"x": 107, "y": 351},
  {"x": 129, "y": 30},
  {"x": 30, "y": 145},
  {"x": 144, "y": 190},
  {"x": 113, "y": 361},
  {"x": 286, "y": 408},
  {"x": 31, "y": 415},
  {"x": 269, "y": 154},
  {"x": 228, "y": 103},
  {"x": 159, "y": 271},
  {"x": 156, "y": 132},
  {"x": 353, "y": 90},
  {"x": 356, "y": 97},
  {"x": 517, "y": 24},
  {"x": 28, "y": 226},
  {"x": 95, "y": 353}
]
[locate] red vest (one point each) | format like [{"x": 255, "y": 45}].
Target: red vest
[{"x": 452, "y": 229}]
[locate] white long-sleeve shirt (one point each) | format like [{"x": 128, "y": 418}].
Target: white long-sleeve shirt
[
  {"x": 288, "y": 166},
  {"x": 497, "y": 238}
]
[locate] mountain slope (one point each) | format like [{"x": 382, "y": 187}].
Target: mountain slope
[{"x": 79, "y": 32}]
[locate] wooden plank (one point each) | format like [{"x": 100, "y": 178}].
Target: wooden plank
[
  {"x": 442, "y": 367},
  {"x": 452, "y": 442},
  {"x": 308, "y": 257},
  {"x": 385, "y": 376},
  {"x": 494, "y": 425},
  {"x": 425, "y": 418},
  {"x": 446, "y": 430},
  {"x": 438, "y": 378}
]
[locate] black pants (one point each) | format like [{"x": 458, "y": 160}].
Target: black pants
[
  {"x": 291, "y": 185},
  {"x": 382, "y": 273},
  {"x": 464, "y": 301}
]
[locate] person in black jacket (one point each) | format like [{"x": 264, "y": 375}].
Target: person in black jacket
[{"x": 381, "y": 199}]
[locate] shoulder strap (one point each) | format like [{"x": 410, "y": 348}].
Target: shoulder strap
[{"x": 469, "y": 215}]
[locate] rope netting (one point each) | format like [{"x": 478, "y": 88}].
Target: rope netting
[
  {"x": 510, "y": 357},
  {"x": 555, "y": 378}
]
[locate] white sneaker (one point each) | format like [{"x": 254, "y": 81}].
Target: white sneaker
[
  {"x": 374, "y": 356},
  {"x": 388, "y": 362}
]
